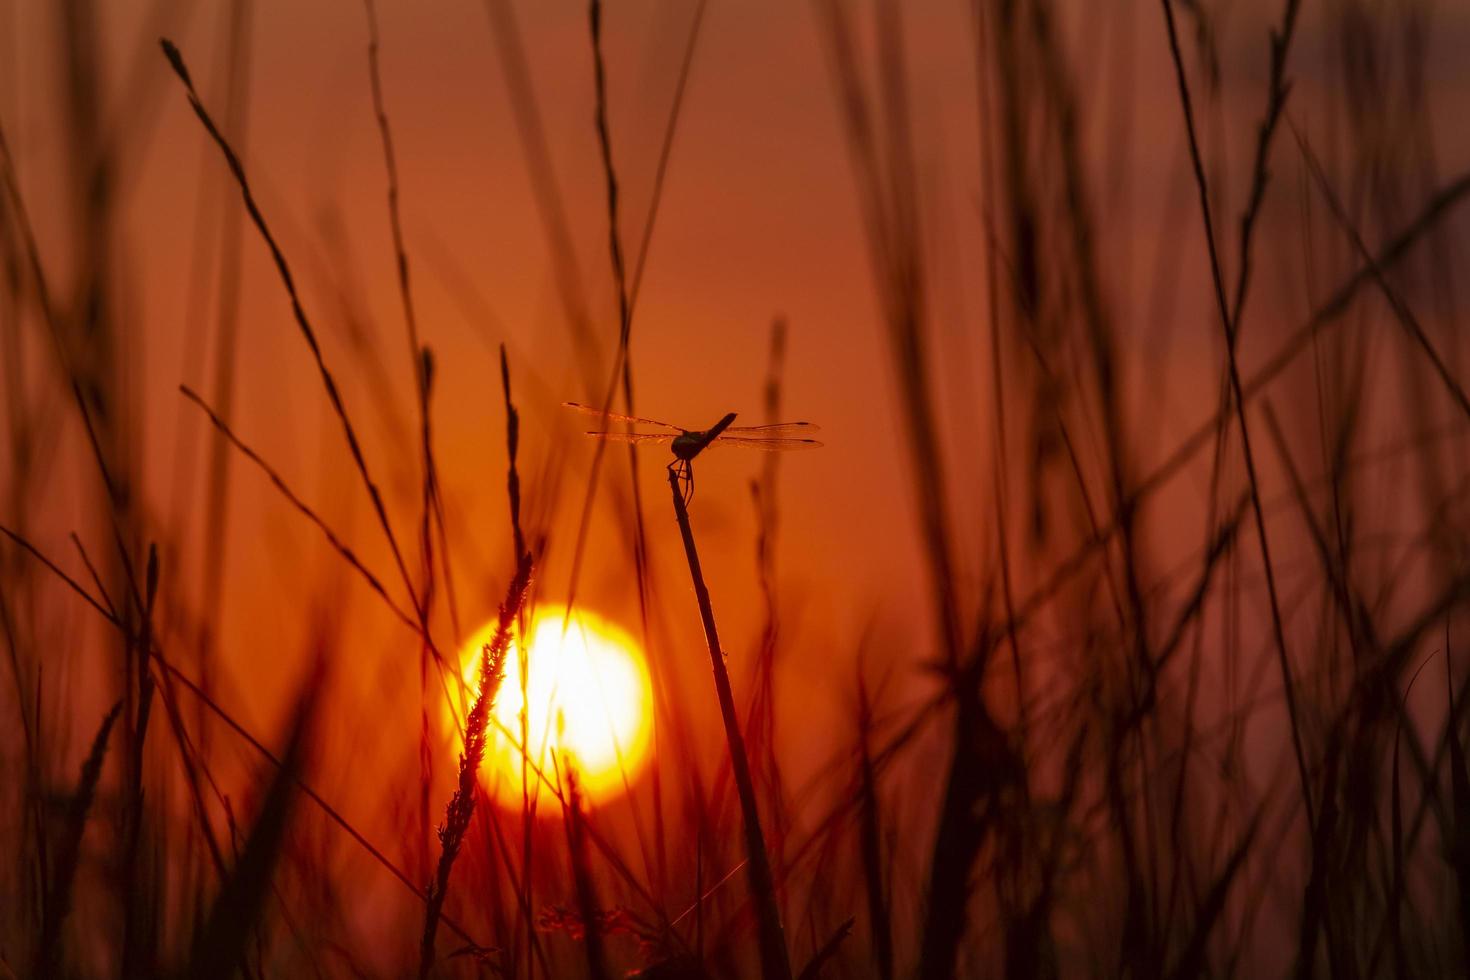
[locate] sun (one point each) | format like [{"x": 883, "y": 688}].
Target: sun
[{"x": 590, "y": 699}]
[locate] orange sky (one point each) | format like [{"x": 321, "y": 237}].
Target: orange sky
[{"x": 759, "y": 219}]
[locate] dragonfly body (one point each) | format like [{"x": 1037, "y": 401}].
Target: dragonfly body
[{"x": 689, "y": 443}]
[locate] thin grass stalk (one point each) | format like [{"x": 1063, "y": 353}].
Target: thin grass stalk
[
  {"x": 622, "y": 368},
  {"x": 1400, "y": 308},
  {"x": 462, "y": 805},
  {"x": 25, "y": 545},
  {"x": 308, "y": 333},
  {"x": 418, "y": 626},
  {"x": 512, "y": 447},
  {"x": 400, "y": 252},
  {"x": 91, "y": 322},
  {"x": 775, "y": 964},
  {"x": 628, "y": 298},
  {"x": 1277, "y": 90},
  {"x": 513, "y": 496},
  {"x": 192, "y": 759},
  {"x": 761, "y": 717},
  {"x": 1101, "y": 338},
  {"x": 1230, "y": 326},
  {"x": 92, "y": 571},
  {"x": 140, "y": 927},
  {"x": 610, "y": 180},
  {"x": 1354, "y": 613},
  {"x": 421, "y": 364},
  {"x": 348, "y": 555},
  {"x": 88, "y": 366},
  {"x": 1329, "y": 312},
  {"x": 887, "y": 177},
  {"x": 239, "y": 32},
  {"x": 997, "y": 373}
]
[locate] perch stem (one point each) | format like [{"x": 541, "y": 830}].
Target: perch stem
[{"x": 774, "y": 962}]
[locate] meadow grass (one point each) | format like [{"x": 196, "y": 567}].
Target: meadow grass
[{"x": 1159, "y": 719}]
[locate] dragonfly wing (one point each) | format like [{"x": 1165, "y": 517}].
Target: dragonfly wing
[
  {"x": 780, "y": 429},
  {"x": 615, "y": 417},
  {"x": 636, "y": 438},
  {"x": 768, "y": 444}
]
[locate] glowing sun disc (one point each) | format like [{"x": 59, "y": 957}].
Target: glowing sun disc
[{"x": 590, "y": 697}]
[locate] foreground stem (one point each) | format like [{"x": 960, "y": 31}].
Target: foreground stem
[{"x": 774, "y": 963}]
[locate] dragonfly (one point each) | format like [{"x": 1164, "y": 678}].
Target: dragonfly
[{"x": 689, "y": 443}]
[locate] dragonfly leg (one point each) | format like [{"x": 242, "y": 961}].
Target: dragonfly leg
[{"x": 683, "y": 470}]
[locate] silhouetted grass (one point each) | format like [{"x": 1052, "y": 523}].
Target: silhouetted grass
[
  {"x": 462, "y": 806},
  {"x": 176, "y": 61},
  {"x": 1153, "y": 712}
]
